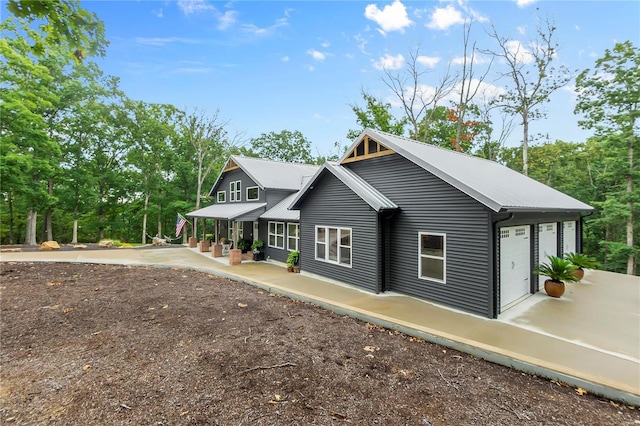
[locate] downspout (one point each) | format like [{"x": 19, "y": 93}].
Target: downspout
[{"x": 494, "y": 238}]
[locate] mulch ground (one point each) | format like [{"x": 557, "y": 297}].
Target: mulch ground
[{"x": 115, "y": 345}]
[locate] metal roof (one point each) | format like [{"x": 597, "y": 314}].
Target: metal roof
[
  {"x": 281, "y": 212},
  {"x": 269, "y": 174},
  {"x": 230, "y": 211},
  {"x": 359, "y": 186},
  {"x": 492, "y": 184}
]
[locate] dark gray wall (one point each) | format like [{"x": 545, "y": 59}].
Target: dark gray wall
[
  {"x": 331, "y": 203},
  {"x": 233, "y": 175},
  {"x": 273, "y": 253},
  {"x": 428, "y": 204}
]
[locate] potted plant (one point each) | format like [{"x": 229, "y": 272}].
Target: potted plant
[
  {"x": 559, "y": 271},
  {"x": 256, "y": 247},
  {"x": 293, "y": 261},
  {"x": 582, "y": 261},
  {"x": 242, "y": 245}
]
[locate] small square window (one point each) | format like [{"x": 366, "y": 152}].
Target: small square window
[
  {"x": 221, "y": 197},
  {"x": 432, "y": 256},
  {"x": 253, "y": 193}
]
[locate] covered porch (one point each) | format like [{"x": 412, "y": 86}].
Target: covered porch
[{"x": 235, "y": 226}]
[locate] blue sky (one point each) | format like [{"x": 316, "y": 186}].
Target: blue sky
[{"x": 297, "y": 65}]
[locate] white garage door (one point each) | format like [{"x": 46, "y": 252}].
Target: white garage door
[
  {"x": 515, "y": 264},
  {"x": 547, "y": 245},
  {"x": 569, "y": 237}
]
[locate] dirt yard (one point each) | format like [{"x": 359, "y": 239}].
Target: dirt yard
[{"x": 112, "y": 345}]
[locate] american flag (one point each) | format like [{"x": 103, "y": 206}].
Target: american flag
[{"x": 180, "y": 224}]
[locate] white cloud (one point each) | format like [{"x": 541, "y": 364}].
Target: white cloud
[
  {"x": 525, "y": 3},
  {"x": 485, "y": 91},
  {"x": 361, "y": 43},
  {"x": 393, "y": 17},
  {"x": 477, "y": 60},
  {"x": 158, "y": 13},
  {"x": 163, "y": 41},
  {"x": 251, "y": 28},
  {"x": 227, "y": 19},
  {"x": 444, "y": 17},
  {"x": 317, "y": 55},
  {"x": 325, "y": 44},
  {"x": 518, "y": 52},
  {"x": 388, "y": 62},
  {"x": 192, "y": 6},
  {"x": 428, "y": 61},
  {"x": 285, "y": 59},
  {"x": 522, "y": 30}
]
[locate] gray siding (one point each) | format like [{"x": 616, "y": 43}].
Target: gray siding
[
  {"x": 273, "y": 253},
  {"x": 331, "y": 203},
  {"x": 274, "y": 196},
  {"x": 428, "y": 204},
  {"x": 246, "y": 182}
]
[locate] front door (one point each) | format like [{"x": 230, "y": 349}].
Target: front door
[{"x": 515, "y": 264}]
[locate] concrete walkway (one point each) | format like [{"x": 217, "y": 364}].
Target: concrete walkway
[{"x": 590, "y": 338}]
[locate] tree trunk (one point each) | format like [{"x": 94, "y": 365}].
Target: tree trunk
[
  {"x": 631, "y": 260},
  {"x": 30, "y": 237},
  {"x": 100, "y": 223},
  {"x": 74, "y": 238},
  {"x": 11, "y": 241},
  {"x": 144, "y": 219},
  {"x": 525, "y": 145}
]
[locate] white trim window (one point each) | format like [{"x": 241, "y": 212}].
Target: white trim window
[
  {"x": 276, "y": 235},
  {"x": 293, "y": 236},
  {"x": 333, "y": 245},
  {"x": 235, "y": 191},
  {"x": 253, "y": 193},
  {"x": 432, "y": 256},
  {"x": 221, "y": 197}
]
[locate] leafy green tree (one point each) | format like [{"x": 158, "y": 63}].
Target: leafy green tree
[
  {"x": 609, "y": 98},
  {"x": 63, "y": 23},
  {"x": 532, "y": 76},
  {"x": 29, "y": 155},
  {"x": 375, "y": 115},
  {"x": 210, "y": 143},
  {"x": 148, "y": 129},
  {"x": 286, "y": 145}
]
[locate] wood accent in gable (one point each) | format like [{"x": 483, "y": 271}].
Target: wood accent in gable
[
  {"x": 231, "y": 165},
  {"x": 367, "y": 148}
]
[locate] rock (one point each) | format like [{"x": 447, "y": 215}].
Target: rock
[
  {"x": 80, "y": 246},
  {"x": 50, "y": 245},
  {"x": 106, "y": 243}
]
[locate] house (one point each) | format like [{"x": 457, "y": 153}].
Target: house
[
  {"x": 399, "y": 215},
  {"x": 251, "y": 199}
]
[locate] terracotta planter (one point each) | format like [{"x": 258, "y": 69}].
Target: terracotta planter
[
  {"x": 193, "y": 242},
  {"x": 296, "y": 269},
  {"x": 290, "y": 268},
  {"x": 554, "y": 288},
  {"x": 578, "y": 273}
]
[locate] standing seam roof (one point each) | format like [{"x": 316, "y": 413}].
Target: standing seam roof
[{"x": 492, "y": 184}]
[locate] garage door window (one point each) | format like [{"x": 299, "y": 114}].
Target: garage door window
[{"x": 432, "y": 249}]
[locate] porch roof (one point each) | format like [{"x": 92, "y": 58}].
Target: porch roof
[
  {"x": 231, "y": 211},
  {"x": 281, "y": 211}
]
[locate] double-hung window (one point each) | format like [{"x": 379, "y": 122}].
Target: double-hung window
[
  {"x": 432, "y": 256},
  {"x": 293, "y": 236},
  {"x": 221, "y": 197},
  {"x": 276, "y": 235},
  {"x": 333, "y": 245},
  {"x": 235, "y": 191}
]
